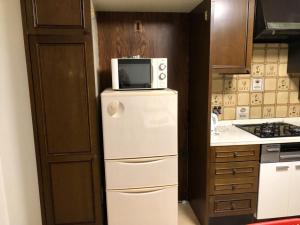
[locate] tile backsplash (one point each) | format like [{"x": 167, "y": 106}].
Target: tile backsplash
[{"x": 267, "y": 92}]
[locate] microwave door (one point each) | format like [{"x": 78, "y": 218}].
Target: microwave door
[{"x": 135, "y": 73}]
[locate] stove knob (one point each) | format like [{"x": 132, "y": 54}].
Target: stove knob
[
  {"x": 162, "y": 66},
  {"x": 162, "y": 76}
]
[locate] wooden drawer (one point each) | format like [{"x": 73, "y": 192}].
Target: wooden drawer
[
  {"x": 234, "y": 170},
  {"x": 235, "y": 153},
  {"x": 233, "y": 185},
  {"x": 229, "y": 205}
]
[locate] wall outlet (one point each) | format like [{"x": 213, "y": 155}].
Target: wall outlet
[
  {"x": 242, "y": 112},
  {"x": 257, "y": 85}
]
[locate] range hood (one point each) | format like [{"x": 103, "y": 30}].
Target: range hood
[{"x": 277, "y": 20}]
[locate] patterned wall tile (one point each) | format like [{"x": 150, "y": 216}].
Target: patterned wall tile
[
  {"x": 283, "y": 70},
  {"x": 270, "y": 84},
  {"x": 282, "y": 97},
  {"x": 258, "y": 70},
  {"x": 229, "y": 113},
  {"x": 268, "y": 111},
  {"x": 271, "y": 70},
  {"x": 294, "y": 84},
  {"x": 229, "y": 100},
  {"x": 294, "y": 110},
  {"x": 258, "y": 55},
  {"x": 255, "y": 112},
  {"x": 229, "y": 85},
  {"x": 256, "y": 98},
  {"x": 280, "y": 94},
  {"x": 281, "y": 111},
  {"x": 283, "y": 84},
  {"x": 243, "y": 99},
  {"x": 243, "y": 85},
  {"x": 272, "y": 55},
  {"x": 269, "y": 98}
]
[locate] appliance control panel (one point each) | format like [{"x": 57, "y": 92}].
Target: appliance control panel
[{"x": 160, "y": 72}]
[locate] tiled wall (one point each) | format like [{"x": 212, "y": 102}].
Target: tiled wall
[{"x": 279, "y": 97}]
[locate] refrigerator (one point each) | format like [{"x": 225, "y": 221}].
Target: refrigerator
[{"x": 140, "y": 137}]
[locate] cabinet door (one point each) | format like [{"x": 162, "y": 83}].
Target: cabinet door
[
  {"x": 56, "y": 16},
  {"x": 273, "y": 194},
  {"x": 232, "y": 35},
  {"x": 294, "y": 199},
  {"x": 65, "y": 113}
]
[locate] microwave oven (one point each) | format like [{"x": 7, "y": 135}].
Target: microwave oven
[{"x": 139, "y": 73}]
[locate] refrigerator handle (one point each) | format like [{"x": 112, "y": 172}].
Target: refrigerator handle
[
  {"x": 142, "y": 160},
  {"x": 144, "y": 190}
]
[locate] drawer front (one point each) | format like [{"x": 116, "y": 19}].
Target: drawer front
[
  {"x": 229, "y": 205},
  {"x": 143, "y": 206},
  {"x": 235, "y": 153},
  {"x": 234, "y": 170},
  {"x": 141, "y": 172},
  {"x": 233, "y": 185}
]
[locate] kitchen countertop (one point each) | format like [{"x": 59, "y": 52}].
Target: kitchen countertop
[{"x": 228, "y": 134}]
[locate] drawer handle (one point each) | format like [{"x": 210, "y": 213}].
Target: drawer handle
[
  {"x": 233, "y": 206},
  {"x": 297, "y": 167},
  {"x": 142, "y": 160}
]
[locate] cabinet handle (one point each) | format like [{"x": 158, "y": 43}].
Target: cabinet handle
[
  {"x": 282, "y": 168},
  {"x": 297, "y": 167}
]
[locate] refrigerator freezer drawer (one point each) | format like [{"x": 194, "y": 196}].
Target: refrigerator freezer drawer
[
  {"x": 150, "y": 206},
  {"x": 141, "y": 172},
  {"x": 139, "y": 125}
]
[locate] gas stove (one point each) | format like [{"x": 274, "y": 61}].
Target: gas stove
[{"x": 271, "y": 130}]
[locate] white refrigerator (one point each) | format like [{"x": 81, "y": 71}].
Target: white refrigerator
[{"x": 140, "y": 135}]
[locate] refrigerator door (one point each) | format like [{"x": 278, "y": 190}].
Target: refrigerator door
[
  {"x": 149, "y": 206},
  {"x": 139, "y": 123},
  {"x": 141, "y": 172}
]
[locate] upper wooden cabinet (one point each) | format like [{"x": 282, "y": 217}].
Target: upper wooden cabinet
[
  {"x": 232, "y": 35},
  {"x": 57, "y": 16}
]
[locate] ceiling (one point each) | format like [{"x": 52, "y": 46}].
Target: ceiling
[{"x": 146, "y": 5}]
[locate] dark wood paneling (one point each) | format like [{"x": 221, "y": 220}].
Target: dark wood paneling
[
  {"x": 56, "y": 16},
  {"x": 235, "y": 153},
  {"x": 161, "y": 35},
  {"x": 63, "y": 85},
  {"x": 62, "y": 79},
  {"x": 232, "y": 35},
  {"x": 199, "y": 93},
  {"x": 72, "y": 190}
]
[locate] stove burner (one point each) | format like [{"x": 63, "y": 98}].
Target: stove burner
[{"x": 267, "y": 130}]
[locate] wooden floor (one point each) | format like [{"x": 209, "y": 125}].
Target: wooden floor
[{"x": 186, "y": 215}]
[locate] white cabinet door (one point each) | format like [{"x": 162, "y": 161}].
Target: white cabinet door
[
  {"x": 139, "y": 124},
  {"x": 273, "y": 195},
  {"x": 294, "y": 200}
]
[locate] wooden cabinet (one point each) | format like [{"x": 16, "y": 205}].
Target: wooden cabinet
[
  {"x": 56, "y": 16},
  {"x": 226, "y": 205},
  {"x": 235, "y": 153},
  {"x": 233, "y": 183},
  {"x": 232, "y": 35},
  {"x": 65, "y": 107}
]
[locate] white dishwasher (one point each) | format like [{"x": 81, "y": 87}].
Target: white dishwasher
[{"x": 279, "y": 181}]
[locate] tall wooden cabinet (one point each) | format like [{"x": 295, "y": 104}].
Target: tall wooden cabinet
[
  {"x": 232, "y": 35},
  {"x": 62, "y": 85}
]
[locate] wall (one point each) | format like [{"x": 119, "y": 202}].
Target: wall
[
  {"x": 279, "y": 97},
  {"x": 19, "y": 196},
  {"x": 161, "y": 35}
]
